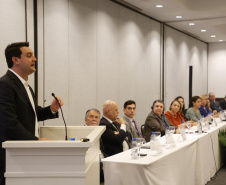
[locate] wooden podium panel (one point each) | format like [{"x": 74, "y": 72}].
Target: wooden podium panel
[{"x": 55, "y": 162}]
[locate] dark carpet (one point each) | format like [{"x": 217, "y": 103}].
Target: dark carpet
[{"x": 220, "y": 178}]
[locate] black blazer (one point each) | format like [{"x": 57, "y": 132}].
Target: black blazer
[
  {"x": 17, "y": 117},
  {"x": 112, "y": 143},
  {"x": 223, "y": 104}
]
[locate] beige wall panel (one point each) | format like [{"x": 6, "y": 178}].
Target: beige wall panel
[
  {"x": 12, "y": 21},
  {"x": 216, "y": 69},
  {"x": 113, "y": 53},
  {"x": 148, "y": 67},
  {"x": 182, "y": 51},
  {"x": 129, "y": 55},
  {"x": 82, "y": 59},
  {"x": 56, "y": 54},
  {"x": 107, "y": 52}
]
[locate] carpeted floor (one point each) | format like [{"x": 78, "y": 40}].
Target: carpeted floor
[{"x": 221, "y": 177}]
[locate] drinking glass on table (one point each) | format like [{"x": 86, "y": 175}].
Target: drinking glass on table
[
  {"x": 157, "y": 135},
  {"x": 188, "y": 124},
  {"x": 172, "y": 129},
  {"x": 140, "y": 142}
]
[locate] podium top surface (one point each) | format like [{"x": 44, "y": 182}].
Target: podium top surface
[{"x": 57, "y": 135}]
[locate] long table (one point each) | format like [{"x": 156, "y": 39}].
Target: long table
[{"x": 192, "y": 162}]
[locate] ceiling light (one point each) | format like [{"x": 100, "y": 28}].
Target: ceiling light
[
  {"x": 159, "y": 6},
  {"x": 203, "y": 30},
  {"x": 191, "y": 24},
  {"x": 178, "y": 16},
  {"x": 213, "y": 35},
  {"x": 220, "y": 40}
]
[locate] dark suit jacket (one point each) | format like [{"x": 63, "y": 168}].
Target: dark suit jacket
[
  {"x": 113, "y": 143},
  {"x": 153, "y": 124},
  {"x": 215, "y": 106},
  {"x": 17, "y": 117},
  {"x": 223, "y": 104}
]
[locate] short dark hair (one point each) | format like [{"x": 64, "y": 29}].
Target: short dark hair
[
  {"x": 157, "y": 101},
  {"x": 129, "y": 102},
  {"x": 96, "y": 110},
  {"x": 194, "y": 99},
  {"x": 13, "y": 50}
]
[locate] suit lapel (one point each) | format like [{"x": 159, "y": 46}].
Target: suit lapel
[
  {"x": 133, "y": 129},
  {"x": 113, "y": 124},
  {"x": 19, "y": 84}
]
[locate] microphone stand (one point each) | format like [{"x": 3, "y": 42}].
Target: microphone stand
[{"x": 62, "y": 116}]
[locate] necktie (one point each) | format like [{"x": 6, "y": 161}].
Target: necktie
[
  {"x": 33, "y": 106},
  {"x": 138, "y": 132}
]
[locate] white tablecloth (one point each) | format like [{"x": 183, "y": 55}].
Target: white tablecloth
[{"x": 190, "y": 162}]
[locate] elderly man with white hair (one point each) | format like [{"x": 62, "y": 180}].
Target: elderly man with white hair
[
  {"x": 214, "y": 105},
  {"x": 115, "y": 139}
]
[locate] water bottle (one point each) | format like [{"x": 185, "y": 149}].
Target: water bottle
[
  {"x": 134, "y": 149},
  {"x": 210, "y": 118},
  {"x": 134, "y": 143},
  {"x": 167, "y": 135},
  {"x": 214, "y": 122},
  {"x": 199, "y": 126},
  {"x": 182, "y": 130},
  {"x": 222, "y": 115},
  {"x": 203, "y": 120},
  {"x": 152, "y": 141},
  {"x": 203, "y": 123}
]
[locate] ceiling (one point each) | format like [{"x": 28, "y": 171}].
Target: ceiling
[{"x": 209, "y": 15}]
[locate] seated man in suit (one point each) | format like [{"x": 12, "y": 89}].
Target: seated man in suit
[
  {"x": 129, "y": 113},
  {"x": 92, "y": 117},
  {"x": 214, "y": 105},
  {"x": 19, "y": 113},
  {"x": 115, "y": 139},
  {"x": 223, "y": 103}
]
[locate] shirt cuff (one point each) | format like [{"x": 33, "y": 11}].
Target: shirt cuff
[
  {"x": 52, "y": 111},
  {"x": 123, "y": 127}
]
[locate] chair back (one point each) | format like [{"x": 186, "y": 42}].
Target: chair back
[{"x": 142, "y": 130}]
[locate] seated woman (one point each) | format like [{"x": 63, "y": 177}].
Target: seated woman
[
  {"x": 174, "y": 115},
  {"x": 156, "y": 120},
  {"x": 204, "y": 110},
  {"x": 208, "y": 105},
  {"x": 193, "y": 112},
  {"x": 182, "y": 110}
]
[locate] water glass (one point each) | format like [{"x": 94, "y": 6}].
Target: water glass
[
  {"x": 157, "y": 135},
  {"x": 172, "y": 129},
  {"x": 188, "y": 124},
  {"x": 139, "y": 143}
]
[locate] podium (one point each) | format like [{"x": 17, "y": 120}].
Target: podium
[{"x": 55, "y": 162}]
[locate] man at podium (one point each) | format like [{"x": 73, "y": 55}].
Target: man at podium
[{"x": 19, "y": 113}]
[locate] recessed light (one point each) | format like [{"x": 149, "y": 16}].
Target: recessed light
[
  {"x": 159, "y": 6},
  {"x": 191, "y": 24},
  {"x": 203, "y": 30},
  {"x": 213, "y": 35},
  {"x": 220, "y": 40},
  {"x": 178, "y": 16}
]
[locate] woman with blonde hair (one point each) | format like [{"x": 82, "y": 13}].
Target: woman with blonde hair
[{"x": 204, "y": 110}]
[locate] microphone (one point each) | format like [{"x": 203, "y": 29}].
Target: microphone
[{"x": 62, "y": 116}]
